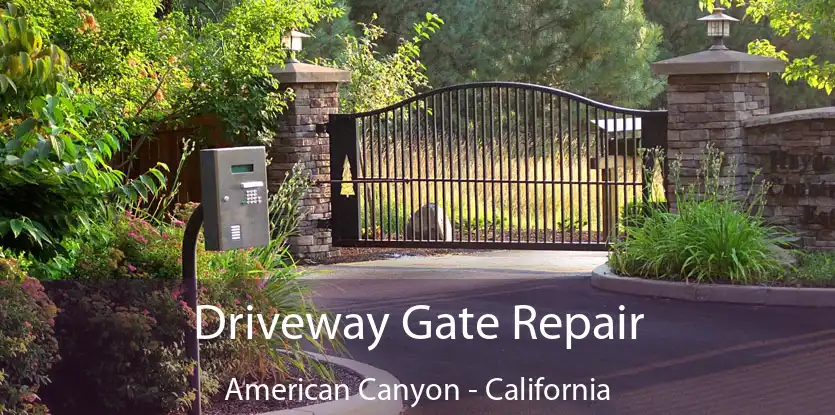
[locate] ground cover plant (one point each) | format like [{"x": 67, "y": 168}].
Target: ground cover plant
[{"x": 813, "y": 269}]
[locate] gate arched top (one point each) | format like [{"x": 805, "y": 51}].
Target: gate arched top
[{"x": 517, "y": 85}]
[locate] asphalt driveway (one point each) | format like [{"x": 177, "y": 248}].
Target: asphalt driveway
[{"x": 688, "y": 358}]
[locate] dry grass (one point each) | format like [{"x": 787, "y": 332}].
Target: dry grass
[
  {"x": 511, "y": 158},
  {"x": 567, "y": 194}
]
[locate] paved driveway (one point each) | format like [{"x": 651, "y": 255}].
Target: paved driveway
[{"x": 687, "y": 359}]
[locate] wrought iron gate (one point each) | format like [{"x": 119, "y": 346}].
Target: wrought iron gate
[{"x": 490, "y": 165}]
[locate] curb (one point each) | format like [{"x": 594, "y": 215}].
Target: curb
[
  {"x": 354, "y": 405},
  {"x": 604, "y": 279}
]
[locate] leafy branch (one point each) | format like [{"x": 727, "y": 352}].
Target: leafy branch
[{"x": 801, "y": 19}]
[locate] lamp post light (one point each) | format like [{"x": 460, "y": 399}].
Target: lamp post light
[
  {"x": 292, "y": 41},
  {"x": 718, "y": 27}
]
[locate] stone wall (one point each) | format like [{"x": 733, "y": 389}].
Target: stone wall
[
  {"x": 796, "y": 152},
  {"x": 711, "y": 108},
  {"x": 299, "y": 141}
]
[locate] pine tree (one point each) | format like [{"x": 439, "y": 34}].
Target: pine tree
[{"x": 596, "y": 48}]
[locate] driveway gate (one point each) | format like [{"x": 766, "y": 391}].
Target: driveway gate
[{"x": 491, "y": 165}]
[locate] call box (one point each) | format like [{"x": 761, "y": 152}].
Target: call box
[{"x": 235, "y": 202}]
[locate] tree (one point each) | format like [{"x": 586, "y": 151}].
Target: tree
[
  {"x": 327, "y": 41},
  {"x": 597, "y": 48},
  {"x": 801, "y": 19},
  {"x": 381, "y": 80}
]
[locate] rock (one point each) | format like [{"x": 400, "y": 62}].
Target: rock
[
  {"x": 784, "y": 256},
  {"x": 429, "y": 223}
]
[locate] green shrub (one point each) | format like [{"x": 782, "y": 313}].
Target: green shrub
[
  {"x": 28, "y": 348},
  {"x": 131, "y": 326},
  {"x": 715, "y": 234},
  {"x": 124, "y": 348},
  {"x": 635, "y": 213},
  {"x": 53, "y": 147},
  {"x": 177, "y": 60}
]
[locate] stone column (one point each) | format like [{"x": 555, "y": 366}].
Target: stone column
[
  {"x": 709, "y": 97},
  {"x": 302, "y": 139}
]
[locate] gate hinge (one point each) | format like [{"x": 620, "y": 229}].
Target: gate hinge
[
  {"x": 321, "y": 128},
  {"x": 323, "y": 224}
]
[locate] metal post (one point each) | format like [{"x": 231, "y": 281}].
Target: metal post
[
  {"x": 345, "y": 217},
  {"x": 189, "y": 254}
]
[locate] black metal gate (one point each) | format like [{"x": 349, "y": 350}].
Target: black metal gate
[{"x": 491, "y": 165}]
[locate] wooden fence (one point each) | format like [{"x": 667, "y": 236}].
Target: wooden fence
[{"x": 167, "y": 147}]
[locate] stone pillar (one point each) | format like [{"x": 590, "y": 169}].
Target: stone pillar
[
  {"x": 709, "y": 97},
  {"x": 302, "y": 139}
]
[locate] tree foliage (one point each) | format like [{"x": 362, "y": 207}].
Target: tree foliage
[
  {"x": 327, "y": 41},
  {"x": 597, "y": 48},
  {"x": 179, "y": 60},
  {"x": 55, "y": 176},
  {"x": 82, "y": 80},
  {"x": 28, "y": 66},
  {"x": 800, "y": 19},
  {"x": 378, "y": 81},
  {"x": 684, "y": 34}
]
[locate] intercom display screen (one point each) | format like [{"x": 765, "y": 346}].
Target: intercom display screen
[{"x": 243, "y": 168}]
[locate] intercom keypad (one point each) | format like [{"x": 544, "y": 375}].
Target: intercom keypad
[{"x": 234, "y": 197}]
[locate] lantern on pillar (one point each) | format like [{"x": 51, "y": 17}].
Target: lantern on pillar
[
  {"x": 292, "y": 41},
  {"x": 718, "y": 27}
]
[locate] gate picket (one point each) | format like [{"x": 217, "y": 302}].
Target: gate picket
[{"x": 484, "y": 170}]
